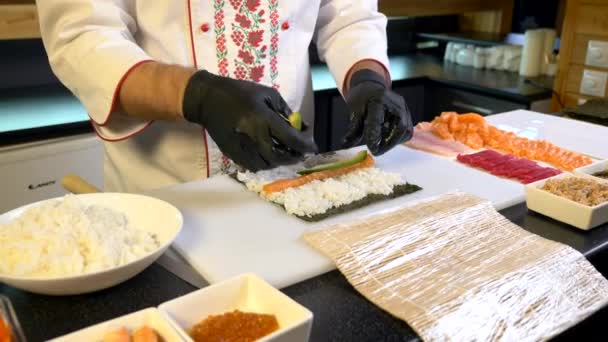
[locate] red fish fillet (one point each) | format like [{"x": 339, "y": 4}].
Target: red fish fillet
[{"x": 508, "y": 166}]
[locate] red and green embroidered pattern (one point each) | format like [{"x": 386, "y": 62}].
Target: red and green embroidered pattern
[
  {"x": 248, "y": 32},
  {"x": 248, "y": 35},
  {"x": 273, "y": 6},
  {"x": 221, "y": 52},
  {"x": 248, "y": 29}
]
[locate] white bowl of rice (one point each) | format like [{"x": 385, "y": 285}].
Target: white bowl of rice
[{"x": 83, "y": 243}]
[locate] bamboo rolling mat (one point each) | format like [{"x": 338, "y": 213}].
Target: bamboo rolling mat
[{"x": 455, "y": 269}]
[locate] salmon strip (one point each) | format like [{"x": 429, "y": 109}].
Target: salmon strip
[
  {"x": 119, "y": 335},
  {"x": 5, "y": 331},
  {"x": 145, "y": 334},
  {"x": 442, "y": 130},
  {"x": 473, "y": 130},
  {"x": 475, "y": 141},
  {"x": 453, "y": 123},
  {"x": 447, "y": 117},
  {"x": 286, "y": 183},
  {"x": 471, "y": 118}
]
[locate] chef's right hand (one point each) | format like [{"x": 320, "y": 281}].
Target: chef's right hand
[{"x": 246, "y": 120}]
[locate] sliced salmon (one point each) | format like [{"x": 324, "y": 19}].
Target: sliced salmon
[
  {"x": 472, "y": 130},
  {"x": 145, "y": 334},
  {"x": 5, "y": 332},
  {"x": 442, "y": 131},
  {"x": 286, "y": 183},
  {"x": 119, "y": 335}
]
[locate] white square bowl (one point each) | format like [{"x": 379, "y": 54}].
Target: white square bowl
[
  {"x": 590, "y": 169},
  {"x": 150, "y": 317},
  {"x": 563, "y": 209},
  {"x": 246, "y": 293}
]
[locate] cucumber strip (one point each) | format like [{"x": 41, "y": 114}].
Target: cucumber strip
[{"x": 337, "y": 165}]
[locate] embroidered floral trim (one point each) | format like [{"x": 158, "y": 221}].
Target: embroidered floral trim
[
  {"x": 227, "y": 166},
  {"x": 221, "y": 52},
  {"x": 248, "y": 35},
  {"x": 273, "y": 6},
  {"x": 248, "y": 30}
]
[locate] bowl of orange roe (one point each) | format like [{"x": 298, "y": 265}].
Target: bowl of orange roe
[{"x": 244, "y": 308}]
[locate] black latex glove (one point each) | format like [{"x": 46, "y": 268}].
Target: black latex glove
[
  {"x": 379, "y": 117},
  {"x": 246, "y": 120}
]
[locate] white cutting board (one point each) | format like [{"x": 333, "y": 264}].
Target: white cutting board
[{"x": 229, "y": 230}]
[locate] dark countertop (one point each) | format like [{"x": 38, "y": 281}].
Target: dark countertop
[
  {"x": 428, "y": 66},
  {"x": 501, "y": 84},
  {"x": 475, "y": 38},
  {"x": 36, "y": 113},
  {"x": 481, "y": 38},
  {"x": 340, "y": 313}
]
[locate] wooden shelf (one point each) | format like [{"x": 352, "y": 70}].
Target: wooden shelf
[
  {"x": 584, "y": 20},
  {"x": 477, "y": 15},
  {"x": 475, "y": 38},
  {"x": 18, "y": 21},
  {"x": 17, "y": 2},
  {"x": 437, "y": 7}
]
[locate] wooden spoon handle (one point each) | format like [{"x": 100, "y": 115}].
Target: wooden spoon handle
[{"x": 77, "y": 185}]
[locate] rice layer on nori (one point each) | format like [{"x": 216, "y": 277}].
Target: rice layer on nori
[
  {"x": 398, "y": 191},
  {"x": 324, "y": 198}
]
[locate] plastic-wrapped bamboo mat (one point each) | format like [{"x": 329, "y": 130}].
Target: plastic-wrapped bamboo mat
[{"x": 455, "y": 269}]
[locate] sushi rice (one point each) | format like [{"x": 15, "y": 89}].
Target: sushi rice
[
  {"x": 65, "y": 237},
  {"x": 319, "y": 196}
]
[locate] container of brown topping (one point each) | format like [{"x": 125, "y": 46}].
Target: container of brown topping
[{"x": 578, "y": 200}]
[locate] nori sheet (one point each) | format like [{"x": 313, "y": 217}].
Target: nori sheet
[{"x": 398, "y": 191}]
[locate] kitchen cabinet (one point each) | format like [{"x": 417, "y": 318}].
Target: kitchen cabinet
[
  {"x": 339, "y": 122},
  {"x": 583, "y": 63},
  {"x": 18, "y": 20},
  {"x": 33, "y": 172},
  {"x": 480, "y": 14},
  {"x": 331, "y": 119},
  {"x": 414, "y": 96},
  {"x": 332, "y": 115},
  {"x": 442, "y": 99}
]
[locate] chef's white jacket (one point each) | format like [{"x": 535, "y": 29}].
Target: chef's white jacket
[{"x": 93, "y": 44}]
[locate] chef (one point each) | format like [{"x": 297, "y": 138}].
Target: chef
[{"x": 178, "y": 90}]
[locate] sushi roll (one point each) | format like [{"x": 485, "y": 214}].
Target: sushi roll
[{"x": 323, "y": 186}]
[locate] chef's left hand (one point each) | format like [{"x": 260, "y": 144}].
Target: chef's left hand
[{"x": 379, "y": 117}]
